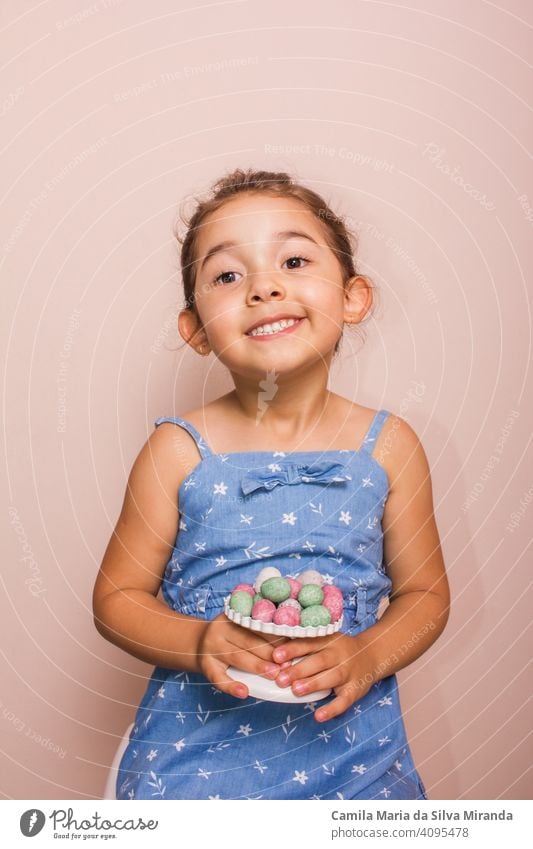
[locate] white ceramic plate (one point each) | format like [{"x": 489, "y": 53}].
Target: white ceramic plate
[
  {"x": 280, "y": 630},
  {"x": 263, "y": 688}
]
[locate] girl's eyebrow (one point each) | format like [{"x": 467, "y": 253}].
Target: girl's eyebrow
[{"x": 283, "y": 235}]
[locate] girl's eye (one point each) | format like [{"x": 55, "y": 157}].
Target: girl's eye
[
  {"x": 224, "y": 278},
  {"x": 300, "y": 258},
  {"x": 218, "y": 281}
]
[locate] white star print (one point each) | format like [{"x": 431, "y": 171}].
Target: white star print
[
  {"x": 179, "y": 745},
  {"x": 325, "y": 736},
  {"x": 214, "y": 797},
  {"x": 327, "y": 578},
  {"x": 309, "y": 546},
  {"x": 302, "y": 776},
  {"x": 246, "y": 519},
  {"x": 278, "y": 454},
  {"x": 183, "y": 525},
  {"x": 367, "y": 481},
  {"x": 190, "y": 482},
  {"x": 261, "y": 767},
  {"x": 202, "y": 773},
  {"x": 244, "y": 729},
  {"x": 386, "y": 700},
  {"x": 359, "y": 768},
  {"x": 151, "y": 755},
  {"x": 274, "y": 467},
  {"x": 385, "y": 791},
  {"x": 383, "y": 740},
  {"x": 220, "y": 561},
  {"x": 220, "y": 488},
  {"x": 398, "y": 765},
  {"x": 361, "y": 548},
  {"x": 161, "y": 692},
  {"x": 288, "y": 519},
  {"x": 372, "y": 522},
  {"x": 200, "y": 546}
]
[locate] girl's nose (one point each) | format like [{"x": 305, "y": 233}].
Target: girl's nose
[{"x": 265, "y": 285}]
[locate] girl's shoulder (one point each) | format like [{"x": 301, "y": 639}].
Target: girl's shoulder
[{"x": 395, "y": 441}]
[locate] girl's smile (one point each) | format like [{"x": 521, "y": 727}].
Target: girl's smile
[{"x": 274, "y": 327}]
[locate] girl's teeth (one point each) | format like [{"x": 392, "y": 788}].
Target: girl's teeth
[{"x": 268, "y": 329}]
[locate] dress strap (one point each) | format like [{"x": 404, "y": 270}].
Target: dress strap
[
  {"x": 373, "y": 431},
  {"x": 201, "y": 444}
]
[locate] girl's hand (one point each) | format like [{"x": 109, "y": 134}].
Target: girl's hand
[
  {"x": 223, "y": 644},
  {"x": 337, "y": 661}
]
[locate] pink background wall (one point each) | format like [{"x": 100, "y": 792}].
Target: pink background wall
[{"x": 412, "y": 119}]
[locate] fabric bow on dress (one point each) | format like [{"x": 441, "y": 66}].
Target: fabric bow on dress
[{"x": 268, "y": 477}]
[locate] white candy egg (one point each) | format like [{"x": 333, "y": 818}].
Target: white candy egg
[
  {"x": 291, "y": 602},
  {"x": 310, "y": 577}
]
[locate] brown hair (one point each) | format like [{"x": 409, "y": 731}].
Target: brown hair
[{"x": 340, "y": 239}]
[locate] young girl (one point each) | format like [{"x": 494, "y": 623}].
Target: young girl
[{"x": 279, "y": 472}]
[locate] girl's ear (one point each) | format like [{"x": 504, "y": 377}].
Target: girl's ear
[
  {"x": 191, "y": 330},
  {"x": 357, "y": 298}
]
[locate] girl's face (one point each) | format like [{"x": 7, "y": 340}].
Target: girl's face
[{"x": 259, "y": 257}]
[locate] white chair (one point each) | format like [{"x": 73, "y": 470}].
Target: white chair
[{"x": 109, "y": 791}]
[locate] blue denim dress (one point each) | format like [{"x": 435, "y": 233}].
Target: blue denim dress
[{"x": 239, "y": 512}]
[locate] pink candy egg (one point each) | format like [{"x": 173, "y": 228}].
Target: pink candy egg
[
  {"x": 263, "y": 610},
  {"x": 246, "y": 587},
  {"x": 334, "y": 604},
  {"x": 286, "y": 616},
  {"x": 296, "y": 586},
  {"x": 331, "y": 589}
]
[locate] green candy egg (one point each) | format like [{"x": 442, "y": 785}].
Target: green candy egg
[
  {"x": 314, "y": 616},
  {"x": 276, "y": 589},
  {"x": 257, "y": 597},
  {"x": 241, "y": 602},
  {"x": 310, "y": 594}
]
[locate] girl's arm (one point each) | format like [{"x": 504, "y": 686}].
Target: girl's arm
[
  {"x": 126, "y": 610},
  {"x": 420, "y": 595}
]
